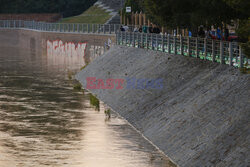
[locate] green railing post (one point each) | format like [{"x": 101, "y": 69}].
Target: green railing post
[
  {"x": 152, "y": 42},
  {"x": 142, "y": 40},
  {"x": 87, "y": 28},
  {"x": 213, "y": 50},
  {"x": 133, "y": 39},
  {"x": 230, "y": 54},
  {"x": 241, "y": 65},
  {"x": 197, "y": 48},
  {"x": 147, "y": 41},
  {"x": 181, "y": 45},
  {"x": 121, "y": 37},
  {"x": 222, "y": 58},
  {"x": 117, "y": 38},
  {"x": 189, "y": 47},
  {"x": 156, "y": 42},
  {"x": 125, "y": 38},
  {"x": 205, "y": 48},
  {"x": 163, "y": 43},
  {"x": 175, "y": 47}
]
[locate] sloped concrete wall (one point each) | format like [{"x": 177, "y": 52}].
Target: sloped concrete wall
[{"x": 199, "y": 118}]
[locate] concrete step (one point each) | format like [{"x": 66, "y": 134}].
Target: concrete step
[{"x": 114, "y": 20}]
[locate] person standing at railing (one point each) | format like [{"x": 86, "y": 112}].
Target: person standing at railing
[
  {"x": 156, "y": 30},
  {"x": 136, "y": 29},
  {"x": 226, "y": 34},
  {"x": 140, "y": 29},
  {"x": 145, "y": 29},
  {"x": 201, "y": 33},
  {"x": 218, "y": 34},
  {"x": 122, "y": 28},
  {"x": 208, "y": 33},
  {"x": 189, "y": 33}
]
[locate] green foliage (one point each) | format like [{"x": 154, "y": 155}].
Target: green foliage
[
  {"x": 70, "y": 74},
  {"x": 78, "y": 87},
  {"x": 136, "y": 5},
  {"x": 189, "y": 13},
  {"x": 244, "y": 34},
  {"x": 94, "y": 14},
  {"x": 94, "y": 102},
  {"x": 193, "y": 13},
  {"x": 65, "y": 7},
  {"x": 84, "y": 66},
  {"x": 242, "y": 6},
  {"x": 108, "y": 113}
]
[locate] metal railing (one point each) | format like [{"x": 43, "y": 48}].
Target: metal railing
[
  {"x": 61, "y": 27},
  {"x": 223, "y": 52}
]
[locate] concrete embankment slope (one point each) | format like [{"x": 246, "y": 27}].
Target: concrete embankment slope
[{"x": 199, "y": 118}]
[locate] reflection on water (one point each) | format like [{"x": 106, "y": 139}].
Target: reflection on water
[{"x": 43, "y": 122}]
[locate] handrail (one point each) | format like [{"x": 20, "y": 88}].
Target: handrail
[
  {"x": 61, "y": 27},
  {"x": 224, "y": 52}
]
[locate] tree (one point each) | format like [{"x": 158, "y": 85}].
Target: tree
[
  {"x": 67, "y": 8},
  {"x": 243, "y": 31},
  {"x": 189, "y": 13}
]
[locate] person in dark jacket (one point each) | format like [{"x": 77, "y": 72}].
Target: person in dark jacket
[
  {"x": 226, "y": 34},
  {"x": 122, "y": 29},
  {"x": 201, "y": 33}
]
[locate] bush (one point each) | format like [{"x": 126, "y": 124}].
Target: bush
[{"x": 94, "y": 102}]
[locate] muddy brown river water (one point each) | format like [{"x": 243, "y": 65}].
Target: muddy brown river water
[{"x": 44, "y": 122}]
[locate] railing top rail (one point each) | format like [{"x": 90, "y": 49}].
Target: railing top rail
[{"x": 224, "y": 52}]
